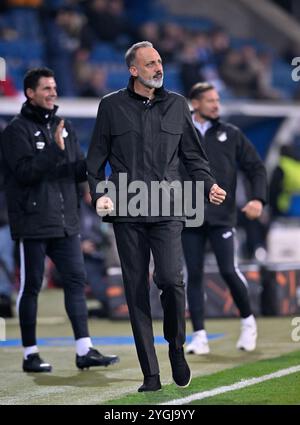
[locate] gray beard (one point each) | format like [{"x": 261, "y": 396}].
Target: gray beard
[{"x": 151, "y": 84}]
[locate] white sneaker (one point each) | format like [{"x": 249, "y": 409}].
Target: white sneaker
[
  {"x": 247, "y": 339},
  {"x": 199, "y": 344}
]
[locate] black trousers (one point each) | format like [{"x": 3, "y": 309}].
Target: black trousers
[
  {"x": 134, "y": 242},
  {"x": 67, "y": 256},
  {"x": 222, "y": 239}
]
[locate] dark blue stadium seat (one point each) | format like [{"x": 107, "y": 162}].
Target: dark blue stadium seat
[
  {"x": 238, "y": 43},
  {"x": 25, "y": 21},
  {"x": 282, "y": 78},
  {"x": 190, "y": 23},
  {"x": 172, "y": 79},
  {"x": 21, "y": 55},
  {"x": 117, "y": 77},
  {"x": 104, "y": 52},
  {"x": 23, "y": 50}
]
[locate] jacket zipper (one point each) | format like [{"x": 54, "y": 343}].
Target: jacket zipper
[
  {"x": 62, "y": 210},
  {"x": 60, "y": 193},
  {"x": 49, "y": 131}
]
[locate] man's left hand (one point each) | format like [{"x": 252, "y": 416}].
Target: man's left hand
[
  {"x": 253, "y": 209},
  {"x": 59, "y": 140}
]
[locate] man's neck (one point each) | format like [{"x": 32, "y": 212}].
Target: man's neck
[
  {"x": 199, "y": 118},
  {"x": 143, "y": 90}
]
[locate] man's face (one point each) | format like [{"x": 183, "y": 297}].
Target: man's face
[
  {"x": 148, "y": 67},
  {"x": 208, "y": 104},
  {"x": 45, "y": 94}
]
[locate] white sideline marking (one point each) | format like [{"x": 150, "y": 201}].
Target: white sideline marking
[{"x": 236, "y": 386}]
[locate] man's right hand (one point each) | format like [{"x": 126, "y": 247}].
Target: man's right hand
[
  {"x": 217, "y": 195},
  {"x": 88, "y": 247},
  {"x": 104, "y": 206}
]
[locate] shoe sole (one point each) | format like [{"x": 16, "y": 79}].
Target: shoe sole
[
  {"x": 38, "y": 371},
  {"x": 197, "y": 354},
  {"x": 150, "y": 391},
  {"x": 99, "y": 365},
  {"x": 246, "y": 349},
  {"x": 184, "y": 386}
]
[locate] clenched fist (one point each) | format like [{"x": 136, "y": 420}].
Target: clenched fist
[
  {"x": 216, "y": 194},
  {"x": 253, "y": 209},
  {"x": 104, "y": 206}
]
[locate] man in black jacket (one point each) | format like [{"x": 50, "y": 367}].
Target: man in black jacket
[
  {"x": 43, "y": 166},
  {"x": 6, "y": 254},
  {"x": 144, "y": 131},
  {"x": 226, "y": 148}
]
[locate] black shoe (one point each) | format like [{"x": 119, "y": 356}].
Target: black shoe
[
  {"x": 151, "y": 383},
  {"x": 6, "y": 310},
  {"x": 180, "y": 369},
  {"x": 94, "y": 358},
  {"x": 34, "y": 363}
]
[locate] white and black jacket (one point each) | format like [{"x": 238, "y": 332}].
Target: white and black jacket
[{"x": 228, "y": 150}]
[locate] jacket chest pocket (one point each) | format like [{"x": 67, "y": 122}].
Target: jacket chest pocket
[
  {"x": 124, "y": 138},
  {"x": 120, "y": 129},
  {"x": 171, "y": 129},
  {"x": 170, "y": 136}
]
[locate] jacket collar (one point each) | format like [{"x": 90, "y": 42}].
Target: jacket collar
[
  {"x": 214, "y": 123},
  {"x": 159, "y": 93},
  {"x": 38, "y": 114}
]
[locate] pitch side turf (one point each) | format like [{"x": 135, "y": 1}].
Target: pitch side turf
[
  {"x": 254, "y": 383},
  {"x": 118, "y": 384}
]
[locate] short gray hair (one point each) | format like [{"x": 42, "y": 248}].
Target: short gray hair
[{"x": 131, "y": 52}]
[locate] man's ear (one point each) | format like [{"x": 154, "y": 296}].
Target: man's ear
[
  {"x": 133, "y": 71},
  {"x": 195, "y": 104},
  {"x": 29, "y": 93}
]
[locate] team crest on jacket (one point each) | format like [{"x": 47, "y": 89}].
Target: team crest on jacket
[
  {"x": 222, "y": 136},
  {"x": 40, "y": 145}
]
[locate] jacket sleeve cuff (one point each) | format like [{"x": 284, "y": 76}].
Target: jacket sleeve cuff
[
  {"x": 207, "y": 186},
  {"x": 56, "y": 150}
]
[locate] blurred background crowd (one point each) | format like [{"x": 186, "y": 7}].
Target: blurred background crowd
[{"x": 84, "y": 42}]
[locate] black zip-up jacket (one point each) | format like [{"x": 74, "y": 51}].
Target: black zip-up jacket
[
  {"x": 147, "y": 140},
  {"x": 228, "y": 150},
  {"x": 41, "y": 180}
]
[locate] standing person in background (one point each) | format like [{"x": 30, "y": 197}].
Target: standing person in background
[
  {"x": 94, "y": 243},
  {"x": 7, "y": 266},
  {"x": 285, "y": 183},
  {"x": 226, "y": 148},
  {"x": 43, "y": 166},
  {"x": 144, "y": 131}
]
